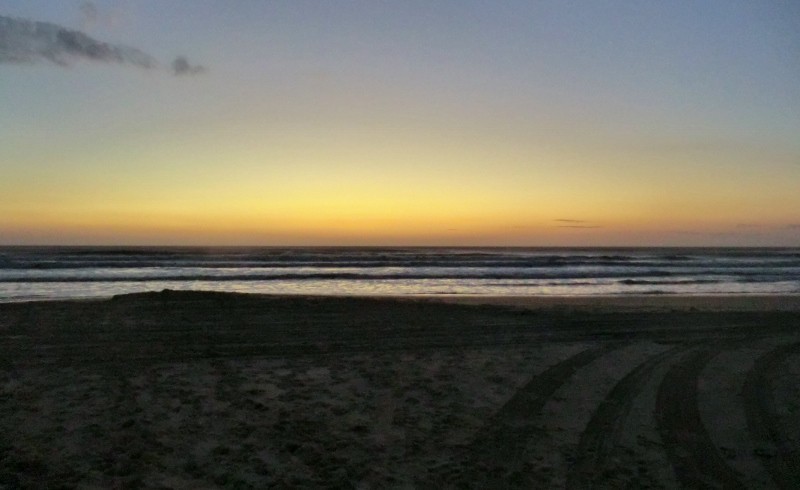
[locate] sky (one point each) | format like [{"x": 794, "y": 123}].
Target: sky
[{"x": 514, "y": 123}]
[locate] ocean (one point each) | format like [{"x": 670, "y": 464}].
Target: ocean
[{"x": 37, "y": 273}]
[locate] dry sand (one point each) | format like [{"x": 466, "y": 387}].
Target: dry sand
[{"x": 207, "y": 390}]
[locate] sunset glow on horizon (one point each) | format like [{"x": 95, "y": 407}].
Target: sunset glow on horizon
[{"x": 409, "y": 123}]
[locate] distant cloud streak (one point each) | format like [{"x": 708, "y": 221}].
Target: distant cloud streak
[
  {"x": 575, "y": 223},
  {"x": 790, "y": 226}
]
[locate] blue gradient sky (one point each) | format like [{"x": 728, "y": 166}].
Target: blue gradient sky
[{"x": 493, "y": 123}]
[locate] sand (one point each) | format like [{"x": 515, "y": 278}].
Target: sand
[{"x": 209, "y": 390}]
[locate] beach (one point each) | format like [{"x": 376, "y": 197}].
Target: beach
[{"x": 222, "y": 390}]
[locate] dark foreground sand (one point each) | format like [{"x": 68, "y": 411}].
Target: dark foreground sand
[{"x": 206, "y": 390}]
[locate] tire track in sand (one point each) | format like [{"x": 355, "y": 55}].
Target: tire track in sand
[
  {"x": 497, "y": 455},
  {"x": 694, "y": 456},
  {"x": 604, "y": 430},
  {"x": 776, "y": 453}
]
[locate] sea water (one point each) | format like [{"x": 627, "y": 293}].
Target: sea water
[{"x": 31, "y": 273}]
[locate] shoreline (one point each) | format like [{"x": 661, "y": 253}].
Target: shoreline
[
  {"x": 649, "y": 302},
  {"x": 593, "y": 303},
  {"x": 596, "y": 303}
]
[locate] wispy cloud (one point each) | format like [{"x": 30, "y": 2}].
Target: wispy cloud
[
  {"x": 575, "y": 223},
  {"x": 765, "y": 228},
  {"x": 709, "y": 233},
  {"x": 89, "y": 13},
  {"x": 181, "y": 66},
  {"x": 25, "y": 41}
]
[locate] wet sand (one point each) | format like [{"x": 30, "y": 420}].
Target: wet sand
[
  {"x": 630, "y": 303},
  {"x": 210, "y": 390}
]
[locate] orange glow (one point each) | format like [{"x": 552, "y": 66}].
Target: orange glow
[{"x": 408, "y": 187}]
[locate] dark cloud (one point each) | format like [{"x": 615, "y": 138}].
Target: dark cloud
[
  {"x": 181, "y": 66},
  {"x": 564, "y": 220},
  {"x": 26, "y": 41}
]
